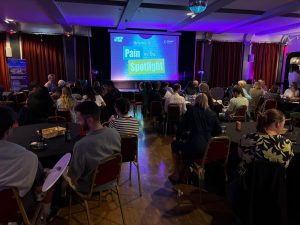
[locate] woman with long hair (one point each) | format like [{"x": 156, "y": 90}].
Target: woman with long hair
[
  {"x": 200, "y": 123},
  {"x": 66, "y": 102}
]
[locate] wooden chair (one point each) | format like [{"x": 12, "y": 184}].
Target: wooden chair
[
  {"x": 217, "y": 152},
  {"x": 64, "y": 113},
  {"x": 156, "y": 111},
  {"x": 269, "y": 104},
  {"x": 240, "y": 114},
  {"x": 173, "y": 115},
  {"x": 129, "y": 151},
  {"x": 105, "y": 177},
  {"x": 12, "y": 209}
]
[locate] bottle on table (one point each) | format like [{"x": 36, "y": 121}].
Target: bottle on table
[
  {"x": 67, "y": 134},
  {"x": 41, "y": 140}
]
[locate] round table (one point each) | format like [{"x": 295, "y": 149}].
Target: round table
[
  {"x": 56, "y": 147},
  {"x": 250, "y": 127}
]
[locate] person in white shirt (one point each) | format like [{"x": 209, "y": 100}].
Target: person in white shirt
[
  {"x": 237, "y": 101},
  {"x": 91, "y": 95},
  {"x": 51, "y": 83},
  {"x": 175, "y": 98},
  {"x": 294, "y": 76},
  {"x": 292, "y": 92}
]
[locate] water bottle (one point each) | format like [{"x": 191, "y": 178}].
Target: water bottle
[{"x": 67, "y": 134}]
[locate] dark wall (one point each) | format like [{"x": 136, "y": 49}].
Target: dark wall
[
  {"x": 100, "y": 53},
  {"x": 186, "y": 56}
]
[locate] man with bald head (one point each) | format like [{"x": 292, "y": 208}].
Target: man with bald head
[{"x": 51, "y": 83}]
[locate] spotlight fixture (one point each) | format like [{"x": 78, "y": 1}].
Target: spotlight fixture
[
  {"x": 197, "y": 6},
  {"x": 8, "y": 21}
]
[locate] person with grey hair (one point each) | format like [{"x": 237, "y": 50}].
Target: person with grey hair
[
  {"x": 51, "y": 83},
  {"x": 200, "y": 123}
]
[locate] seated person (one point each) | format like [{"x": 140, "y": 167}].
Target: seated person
[
  {"x": 99, "y": 143},
  {"x": 19, "y": 167},
  {"x": 267, "y": 143},
  {"x": 66, "y": 102},
  {"x": 256, "y": 93},
  {"x": 292, "y": 92},
  {"x": 50, "y": 85},
  {"x": 91, "y": 95},
  {"x": 175, "y": 98},
  {"x": 124, "y": 123},
  {"x": 202, "y": 123},
  {"x": 237, "y": 101},
  {"x": 242, "y": 84}
]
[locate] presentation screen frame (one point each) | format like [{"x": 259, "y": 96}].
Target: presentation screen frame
[{"x": 144, "y": 56}]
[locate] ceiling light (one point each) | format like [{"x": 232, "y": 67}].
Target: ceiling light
[
  {"x": 6, "y": 20},
  {"x": 197, "y": 6}
]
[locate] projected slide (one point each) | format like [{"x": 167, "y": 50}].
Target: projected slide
[{"x": 143, "y": 57}]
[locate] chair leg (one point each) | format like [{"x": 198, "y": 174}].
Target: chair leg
[
  {"x": 130, "y": 171},
  {"x": 121, "y": 208},
  {"x": 86, "y": 206},
  {"x": 139, "y": 178}
]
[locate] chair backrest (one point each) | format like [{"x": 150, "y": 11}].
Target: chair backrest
[
  {"x": 107, "y": 171},
  {"x": 269, "y": 104},
  {"x": 173, "y": 113},
  {"x": 217, "y": 150},
  {"x": 156, "y": 108},
  {"x": 11, "y": 207},
  {"x": 129, "y": 148},
  {"x": 240, "y": 114},
  {"x": 64, "y": 113},
  {"x": 217, "y": 93}
]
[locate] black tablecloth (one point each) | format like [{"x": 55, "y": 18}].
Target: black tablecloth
[
  {"x": 56, "y": 147},
  {"x": 248, "y": 127}
]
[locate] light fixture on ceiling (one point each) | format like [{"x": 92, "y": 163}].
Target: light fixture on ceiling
[
  {"x": 197, "y": 6},
  {"x": 8, "y": 21},
  {"x": 191, "y": 14}
]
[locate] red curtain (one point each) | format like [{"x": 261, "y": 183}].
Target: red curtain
[
  {"x": 82, "y": 58},
  {"x": 44, "y": 54},
  {"x": 198, "y": 60},
  {"x": 266, "y": 57},
  {"x": 4, "y": 78},
  {"x": 226, "y": 63}
]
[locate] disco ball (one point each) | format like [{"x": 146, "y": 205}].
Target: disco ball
[{"x": 197, "y": 6}]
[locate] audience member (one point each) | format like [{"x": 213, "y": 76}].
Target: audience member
[
  {"x": 19, "y": 167},
  {"x": 294, "y": 76},
  {"x": 163, "y": 88},
  {"x": 292, "y": 91},
  {"x": 267, "y": 143},
  {"x": 91, "y": 95},
  {"x": 256, "y": 93},
  {"x": 99, "y": 143},
  {"x": 201, "y": 123},
  {"x": 175, "y": 98},
  {"x": 61, "y": 84},
  {"x": 77, "y": 88},
  {"x": 124, "y": 123},
  {"x": 192, "y": 88},
  {"x": 204, "y": 88},
  {"x": 154, "y": 94},
  {"x": 242, "y": 84},
  {"x": 66, "y": 102},
  {"x": 50, "y": 85},
  {"x": 249, "y": 85},
  {"x": 237, "y": 101},
  {"x": 112, "y": 93},
  {"x": 273, "y": 93}
]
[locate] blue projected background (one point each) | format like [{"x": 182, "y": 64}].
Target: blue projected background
[{"x": 143, "y": 57}]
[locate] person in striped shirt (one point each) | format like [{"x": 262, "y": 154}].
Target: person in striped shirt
[{"x": 124, "y": 123}]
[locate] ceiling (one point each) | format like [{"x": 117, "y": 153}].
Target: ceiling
[{"x": 259, "y": 17}]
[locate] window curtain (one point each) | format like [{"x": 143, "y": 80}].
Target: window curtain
[
  {"x": 82, "y": 58},
  {"x": 265, "y": 65},
  {"x": 4, "y": 77},
  {"x": 44, "y": 54},
  {"x": 226, "y": 63},
  {"x": 198, "y": 60}
]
